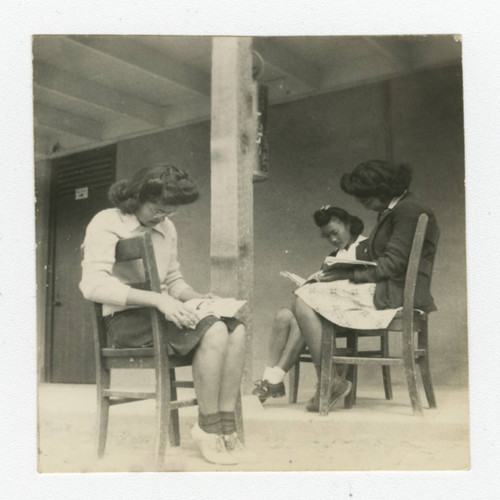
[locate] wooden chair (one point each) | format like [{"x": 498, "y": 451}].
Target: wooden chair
[
  {"x": 156, "y": 358},
  {"x": 409, "y": 322},
  {"x": 351, "y": 349}
]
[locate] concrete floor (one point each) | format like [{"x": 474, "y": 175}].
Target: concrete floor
[{"x": 374, "y": 435}]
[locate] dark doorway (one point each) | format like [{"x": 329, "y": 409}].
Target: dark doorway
[{"x": 79, "y": 190}]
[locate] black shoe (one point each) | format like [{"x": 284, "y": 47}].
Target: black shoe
[
  {"x": 264, "y": 389},
  {"x": 340, "y": 388}
]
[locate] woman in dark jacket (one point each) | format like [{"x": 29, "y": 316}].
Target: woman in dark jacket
[{"x": 382, "y": 187}]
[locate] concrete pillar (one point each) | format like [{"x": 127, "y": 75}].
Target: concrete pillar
[{"x": 233, "y": 160}]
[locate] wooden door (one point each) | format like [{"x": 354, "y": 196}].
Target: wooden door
[{"x": 79, "y": 191}]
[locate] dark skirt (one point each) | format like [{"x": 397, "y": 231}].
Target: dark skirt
[{"x": 132, "y": 328}]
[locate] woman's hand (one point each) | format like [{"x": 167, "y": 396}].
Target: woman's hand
[
  {"x": 174, "y": 310},
  {"x": 314, "y": 278},
  {"x": 189, "y": 293}
]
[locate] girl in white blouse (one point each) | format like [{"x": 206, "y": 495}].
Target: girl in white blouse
[{"x": 343, "y": 232}]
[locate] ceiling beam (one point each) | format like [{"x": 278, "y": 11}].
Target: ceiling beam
[
  {"x": 381, "y": 60},
  {"x": 147, "y": 59},
  {"x": 67, "y": 122},
  {"x": 86, "y": 90},
  {"x": 287, "y": 62},
  {"x": 394, "y": 51}
]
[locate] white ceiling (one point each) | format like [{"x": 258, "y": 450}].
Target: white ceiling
[{"x": 91, "y": 90}]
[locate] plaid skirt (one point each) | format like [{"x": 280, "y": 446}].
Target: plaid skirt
[{"x": 346, "y": 304}]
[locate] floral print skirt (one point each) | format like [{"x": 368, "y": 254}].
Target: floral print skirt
[{"x": 346, "y": 304}]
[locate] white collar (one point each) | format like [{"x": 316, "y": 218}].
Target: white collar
[{"x": 132, "y": 223}]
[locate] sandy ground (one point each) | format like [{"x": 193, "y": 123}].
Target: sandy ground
[{"x": 374, "y": 435}]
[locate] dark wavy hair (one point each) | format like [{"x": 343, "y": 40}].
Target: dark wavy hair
[
  {"x": 325, "y": 214},
  {"x": 161, "y": 183},
  {"x": 377, "y": 178}
]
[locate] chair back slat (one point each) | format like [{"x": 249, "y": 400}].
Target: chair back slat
[
  {"x": 140, "y": 248},
  {"x": 433, "y": 236},
  {"x": 414, "y": 263},
  {"x": 150, "y": 267},
  {"x": 129, "y": 249}
]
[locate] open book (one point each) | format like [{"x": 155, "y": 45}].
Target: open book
[
  {"x": 339, "y": 263},
  {"x": 222, "y": 308},
  {"x": 329, "y": 263},
  {"x": 294, "y": 278}
]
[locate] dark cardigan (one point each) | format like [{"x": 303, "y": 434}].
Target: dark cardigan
[{"x": 389, "y": 245}]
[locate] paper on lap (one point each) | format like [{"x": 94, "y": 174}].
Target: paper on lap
[
  {"x": 330, "y": 263},
  {"x": 222, "y": 308},
  {"x": 334, "y": 262}
]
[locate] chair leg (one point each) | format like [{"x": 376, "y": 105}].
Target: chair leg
[
  {"x": 174, "y": 431},
  {"x": 163, "y": 388},
  {"x": 386, "y": 370},
  {"x": 409, "y": 366},
  {"x": 325, "y": 382},
  {"x": 354, "y": 388},
  {"x": 352, "y": 372},
  {"x": 239, "y": 419},
  {"x": 102, "y": 382},
  {"x": 423, "y": 363},
  {"x": 293, "y": 383},
  {"x": 352, "y": 376}
]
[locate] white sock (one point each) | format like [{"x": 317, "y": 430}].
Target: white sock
[
  {"x": 267, "y": 373},
  {"x": 276, "y": 375}
]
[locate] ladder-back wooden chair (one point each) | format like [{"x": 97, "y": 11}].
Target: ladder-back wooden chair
[
  {"x": 410, "y": 323},
  {"x": 156, "y": 358}
]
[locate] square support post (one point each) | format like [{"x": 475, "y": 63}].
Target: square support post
[{"x": 233, "y": 150}]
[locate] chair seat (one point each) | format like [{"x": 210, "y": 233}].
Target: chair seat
[
  {"x": 139, "y": 358},
  {"x": 143, "y": 352},
  {"x": 396, "y": 324}
]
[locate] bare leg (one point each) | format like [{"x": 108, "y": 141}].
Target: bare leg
[
  {"x": 293, "y": 347},
  {"x": 285, "y": 343},
  {"x": 332, "y": 387},
  {"x": 312, "y": 331},
  {"x": 232, "y": 370},
  {"x": 311, "y": 328},
  {"x": 208, "y": 365}
]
